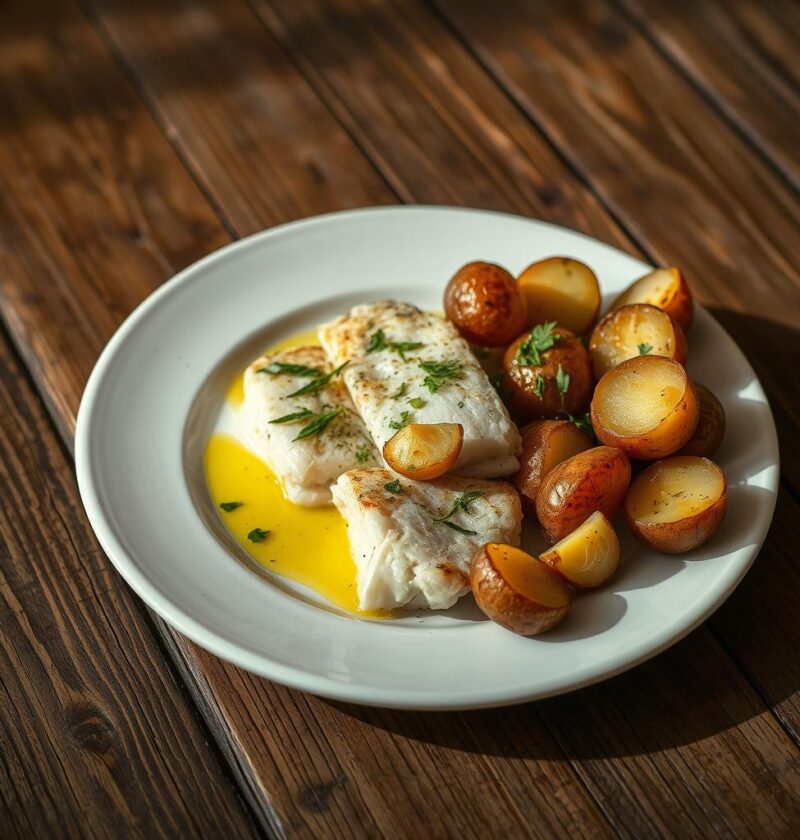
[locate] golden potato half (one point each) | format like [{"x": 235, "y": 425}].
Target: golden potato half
[
  {"x": 518, "y": 591},
  {"x": 588, "y": 556},
  {"x": 635, "y": 330},
  {"x": 646, "y": 406},
  {"x": 665, "y": 288},
  {"x": 563, "y": 290},
  {"x": 675, "y": 505},
  {"x": 424, "y": 451}
]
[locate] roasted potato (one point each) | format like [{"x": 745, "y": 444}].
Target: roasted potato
[
  {"x": 635, "y": 330},
  {"x": 423, "y": 451},
  {"x": 675, "y": 505},
  {"x": 589, "y": 555},
  {"x": 665, "y": 288},
  {"x": 710, "y": 427},
  {"x": 563, "y": 290},
  {"x": 518, "y": 591},
  {"x": 573, "y": 490},
  {"x": 543, "y": 382},
  {"x": 485, "y": 304},
  {"x": 646, "y": 406},
  {"x": 545, "y": 443}
]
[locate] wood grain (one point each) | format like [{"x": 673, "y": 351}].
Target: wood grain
[
  {"x": 743, "y": 55},
  {"x": 94, "y": 732}
]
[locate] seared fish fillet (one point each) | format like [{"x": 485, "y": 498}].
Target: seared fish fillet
[
  {"x": 306, "y": 468},
  {"x": 404, "y": 557},
  {"x": 406, "y": 365}
]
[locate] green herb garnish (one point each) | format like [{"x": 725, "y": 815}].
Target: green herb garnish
[
  {"x": 562, "y": 382},
  {"x": 300, "y": 414},
  {"x": 295, "y": 370},
  {"x": 393, "y": 486},
  {"x": 400, "y": 392},
  {"x": 645, "y": 348},
  {"x": 538, "y": 388},
  {"x": 416, "y": 402},
  {"x": 584, "y": 423},
  {"x": 462, "y": 503},
  {"x": 362, "y": 454},
  {"x": 229, "y": 506},
  {"x": 319, "y": 383},
  {"x": 405, "y": 419},
  {"x": 318, "y": 424},
  {"x": 439, "y": 373},
  {"x": 541, "y": 338},
  {"x": 457, "y": 528},
  {"x": 377, "y": 341},
  {"x": 258, "y": 535}
]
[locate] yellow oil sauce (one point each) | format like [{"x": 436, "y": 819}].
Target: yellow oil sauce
[{"x": 306, "y": 545}]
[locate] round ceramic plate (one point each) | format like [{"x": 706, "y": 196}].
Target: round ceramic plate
[{"x": 158, "y": 392}]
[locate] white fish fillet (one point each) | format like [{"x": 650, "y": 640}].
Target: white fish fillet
[
  {"x": 403, "y": 556},
  {"x": 382, "y": 382},
  {"x": 306, "y": 468}
]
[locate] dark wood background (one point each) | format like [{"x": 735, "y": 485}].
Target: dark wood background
[{"x": 136, "y": 137}]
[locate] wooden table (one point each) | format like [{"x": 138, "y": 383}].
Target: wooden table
[{"x": 135, "y": 137}]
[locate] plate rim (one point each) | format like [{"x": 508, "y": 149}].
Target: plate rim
[{"x": 295, "y": 677}]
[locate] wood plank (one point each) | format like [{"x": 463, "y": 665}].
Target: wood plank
[
  {"x": 448, "y": 744},
  {"x": 743, "y": 55},
  {"x": 95, "y": 733}
]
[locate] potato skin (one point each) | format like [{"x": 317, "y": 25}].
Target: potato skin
[
  {"x": 683, "y": 535},
  {"x": 538, "y": 441},
  {"x": 678, "y": 303},
  {"x": 519, "y": 380},
  {"x": 596, "y": 479},
  {"x": 504, "y": 605},
  {"x": 710, "y": 427},
  {"x": 485, "y": 304}
]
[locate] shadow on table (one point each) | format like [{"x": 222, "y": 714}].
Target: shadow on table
[{"x": 711, "y": 681}]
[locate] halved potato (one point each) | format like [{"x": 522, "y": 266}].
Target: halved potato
[
  {"x": 572, "y": 491},
  {"x": 646, "y": 406},
  {"x": 589, "y": 555},
  {"x": 485, "y": 304},
  {"x": 563, "y": 290},
  {"x": 635, "y": 330},
  {"x": 710, "y": 427},
  {"x": 665, "y": 288},
  {"x": 424, "y": 450},
  {"x": 545, "y": 443},
  {"x": 516, "y": 590},
  {"x": 675, "y": 505}
]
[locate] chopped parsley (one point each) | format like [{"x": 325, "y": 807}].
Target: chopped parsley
[
  {"x": 393, "y": 486},
  {"x": 416, "y": 402},
  {"x": 538, "y": 387},
  {"x": 300, "y": 414},
  {"x": 362, "y": 454},
  {"x": 541, "y": 338},
  {"x": 461, "y": 503},
  {"x": 318, "y": 383},
  {"x": 400, "y": 392},
  {"x": 258, "y": 535},
  {"x": 377, "y": 341},
  {"x": 318, "y": 424},
  {"x": 645, "y": 348},
  {"x": 562, "y": 382},
  {"x": 229, "y": 506},
  {"x": 405, "y": 419},
  {"x": 294, "y": 370},
  {"x": 440, "y": 373}
]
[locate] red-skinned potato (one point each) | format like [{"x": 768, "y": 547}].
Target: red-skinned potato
[
  {"x": 518, "y": 591},
  {"x": 532, "y": 390},
  {"x": 710, "y": 427},
  {"x": 635, "y": 330},
  {"x": 646, "y": 406},
  {"x": 676, "y": 504},
  {"x": 587, "y": 557},
  {"x": 424, "y": 451},
  {"x": 572, "y": 491},
  {"x": 485, "y": 304},
  {"x": 665, "y": 288},
  {"x": 545, "y": 444},
  {"x": 563, "y": 290}
]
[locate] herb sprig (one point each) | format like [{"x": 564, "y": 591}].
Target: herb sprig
[
  {"x": 377, "y": 341},
  {"x": 405, "y": 419},
  {"x": 541, "y": 338},
  {"x": 562, "y": 383},
  {"x": 258, "y": 535},
  {"x": 318, "y": 424},
  {"x": 229, "y": 506},
  {"x": 319, "y": 382},
  {"x": 275, "y": 368},
  {"x": 393, "y": 486},
  {"x": 440, "y": 373},
  {"x": 300, "y": 414},
  {"x": 644, "y": 348},
  {"x": 461, "y": 503}
]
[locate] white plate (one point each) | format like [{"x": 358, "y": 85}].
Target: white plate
[{"x": 157, "y": 393}]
